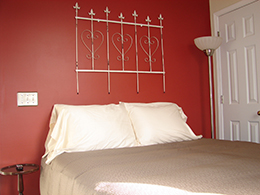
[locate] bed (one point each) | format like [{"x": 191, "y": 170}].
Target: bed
[{"x": 141, "y": 148}]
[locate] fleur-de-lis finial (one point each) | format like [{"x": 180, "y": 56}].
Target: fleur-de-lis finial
[
  {"x": 76, "y": 6},
  {"x": 107, "y": 11},
  {"x": 91, "y": 13},
  {"x": 135, "y": 14},
  {"x": 148, "y": 19},
  {"x": 121, "y": 16},
  {"x": 160, "y": 17}
]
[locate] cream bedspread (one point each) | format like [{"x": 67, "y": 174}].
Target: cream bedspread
[{"x": 202, "y": 166}]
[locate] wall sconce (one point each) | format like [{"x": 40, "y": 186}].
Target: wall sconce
[{"x": 208, "y": 45}]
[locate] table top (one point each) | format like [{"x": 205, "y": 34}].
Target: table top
[{"x": 26, "y": 169}]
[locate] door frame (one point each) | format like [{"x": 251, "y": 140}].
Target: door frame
[{"x": 219, "y": 119}]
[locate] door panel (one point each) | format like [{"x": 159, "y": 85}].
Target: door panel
[{"x": 240, "y": 66}]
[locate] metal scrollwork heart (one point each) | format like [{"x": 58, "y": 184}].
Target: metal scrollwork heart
[
  {"x": 146, "y": 40},
  {"x": 122, "y": 39},
  {"x": 86, "y": 36}
]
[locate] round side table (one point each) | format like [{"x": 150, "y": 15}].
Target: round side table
[{"x": 19, "y": 170}]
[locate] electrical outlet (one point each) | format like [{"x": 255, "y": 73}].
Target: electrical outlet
[{"x": 27, "y": 99}]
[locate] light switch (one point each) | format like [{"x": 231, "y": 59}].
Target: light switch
[{"x": 27, "y": 99}]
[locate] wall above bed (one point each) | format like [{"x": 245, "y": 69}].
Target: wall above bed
[{"x": 37, "y": 54}]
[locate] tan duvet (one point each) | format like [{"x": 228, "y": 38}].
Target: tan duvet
[{"x": 202, "y": 166}]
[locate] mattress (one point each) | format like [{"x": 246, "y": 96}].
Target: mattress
[{"x": 203, "y": 166}]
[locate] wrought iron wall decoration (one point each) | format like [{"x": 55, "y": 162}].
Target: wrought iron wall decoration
[{"x": 145, "y": 42}]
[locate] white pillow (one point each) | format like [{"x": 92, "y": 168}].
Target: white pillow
[
  {"x": 83, "y": 128},
  {"x": 156, "y": 104},
  {"x": 159, "y": 123}
]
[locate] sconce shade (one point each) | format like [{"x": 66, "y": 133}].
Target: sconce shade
[{"x": 208, "y": 42}]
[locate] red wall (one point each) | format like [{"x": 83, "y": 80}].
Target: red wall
[{"x": 37, "y": 53}]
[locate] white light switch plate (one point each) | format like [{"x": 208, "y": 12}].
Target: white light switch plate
[{"x": 27, "y": 99}]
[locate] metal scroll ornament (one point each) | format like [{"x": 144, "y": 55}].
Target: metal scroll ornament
[
  {"x": 123, "y": 42},
  {"x": 86, "y": 36}
]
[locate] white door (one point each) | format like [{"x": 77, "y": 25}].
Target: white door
[{"x": 240, "y": 70}]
